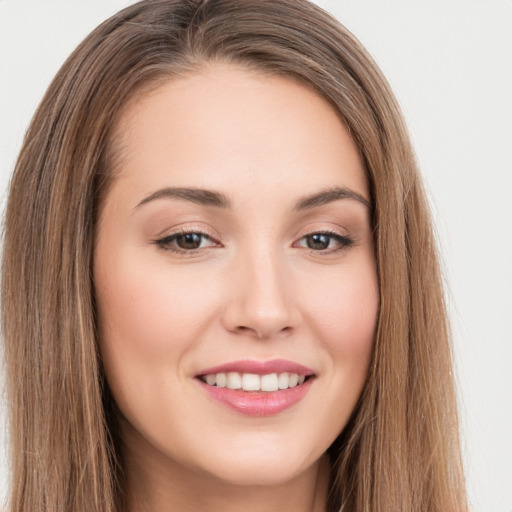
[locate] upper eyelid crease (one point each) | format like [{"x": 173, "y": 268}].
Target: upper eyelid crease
[
  {"x": 347, "y": 239},
  {"x": 181, "y": 232},
  {"x": 219, "y": 200}
]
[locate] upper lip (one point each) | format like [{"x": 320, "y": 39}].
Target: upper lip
[{"x": 259, "y": 367}]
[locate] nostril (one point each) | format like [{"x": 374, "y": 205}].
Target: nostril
[{"x": 262, "y": 333}]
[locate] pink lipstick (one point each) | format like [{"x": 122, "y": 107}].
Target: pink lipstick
[{"x": 257, "y": 388}]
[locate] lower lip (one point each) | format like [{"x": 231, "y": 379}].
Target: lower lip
[{"x": 258, "y": 403}]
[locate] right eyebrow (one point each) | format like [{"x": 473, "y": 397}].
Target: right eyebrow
[{"x": 195, "y": 195}]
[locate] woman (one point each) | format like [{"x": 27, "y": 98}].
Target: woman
[{"x": 223, "y": 291}]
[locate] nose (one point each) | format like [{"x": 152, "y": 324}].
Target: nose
[{"x": 261, "y": 299}]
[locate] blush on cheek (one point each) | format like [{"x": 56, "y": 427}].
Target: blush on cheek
[{"x": 347, "y": 314}]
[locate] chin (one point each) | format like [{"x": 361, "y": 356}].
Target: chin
[
  {"x": 247, "y": 473},
  {"x": 262, "y": 464}
]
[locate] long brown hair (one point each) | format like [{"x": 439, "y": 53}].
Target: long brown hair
[{"x": 400, "y": 450}]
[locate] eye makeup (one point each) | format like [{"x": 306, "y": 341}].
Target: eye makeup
[
  {"x": 186, "y": 242},
  {"x": 189, "y": 242},
  {"x": 326, "y": 241}
]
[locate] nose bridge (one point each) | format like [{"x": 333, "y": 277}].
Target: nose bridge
[{"x": 261, "y": 299}]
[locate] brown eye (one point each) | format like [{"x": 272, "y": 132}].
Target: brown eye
[
  {"x": 328, "y": 242},
  {"x": 189, "y": 241},
  {"x": 186, "y": 242},
  {"x": 318, "y": 241}
]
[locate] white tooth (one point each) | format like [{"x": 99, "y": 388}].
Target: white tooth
[
  {"x": 234, "y": 380},
  {"x": 221, "y": 380},
  {"x": 294, "y": 379},
  {"x": 269, "y": 382},
  {"x": 283, "y": 380},
  {"x": 210, "y": 379},
  {"x": 301, "y": 380},
  {"x": 250, "y": 382}
]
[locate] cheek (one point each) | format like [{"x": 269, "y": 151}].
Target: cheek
[
  {"x": 344, "y": 315},
  {"x": 149, "y": 308},
  {"x": 345, "y": 311},
  {"x": 150, "y": 317}
]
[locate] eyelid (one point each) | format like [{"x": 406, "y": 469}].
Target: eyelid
[
  {"x": 189, "y": 228},
  {"x": 325, "y": 228}
]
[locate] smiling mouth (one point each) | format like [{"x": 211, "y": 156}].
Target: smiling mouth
[
  {"x": 253, "y": 382},
  {"x": 257, "y": 388}
]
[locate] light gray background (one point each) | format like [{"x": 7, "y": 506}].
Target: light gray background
[{"x": 450, "y": 64}]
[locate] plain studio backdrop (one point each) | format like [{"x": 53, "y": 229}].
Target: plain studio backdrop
[{"x": 450, "y": 65}]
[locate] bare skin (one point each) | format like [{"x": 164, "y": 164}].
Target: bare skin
[
  {"x": 151, "y": 486},
  {"x": 237, "y": 229}
]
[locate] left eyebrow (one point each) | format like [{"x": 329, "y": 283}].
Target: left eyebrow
[{"x": 328, "y": 196}]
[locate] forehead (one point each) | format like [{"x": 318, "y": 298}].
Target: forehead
[{"x": 226, "y": 125}]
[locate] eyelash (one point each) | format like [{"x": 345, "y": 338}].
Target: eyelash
[
  {"x": 165, "y": 242},
  {"x": 345, "y": 242}
]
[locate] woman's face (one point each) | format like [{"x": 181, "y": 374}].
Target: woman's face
[{"x": 234, "y": 248}]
